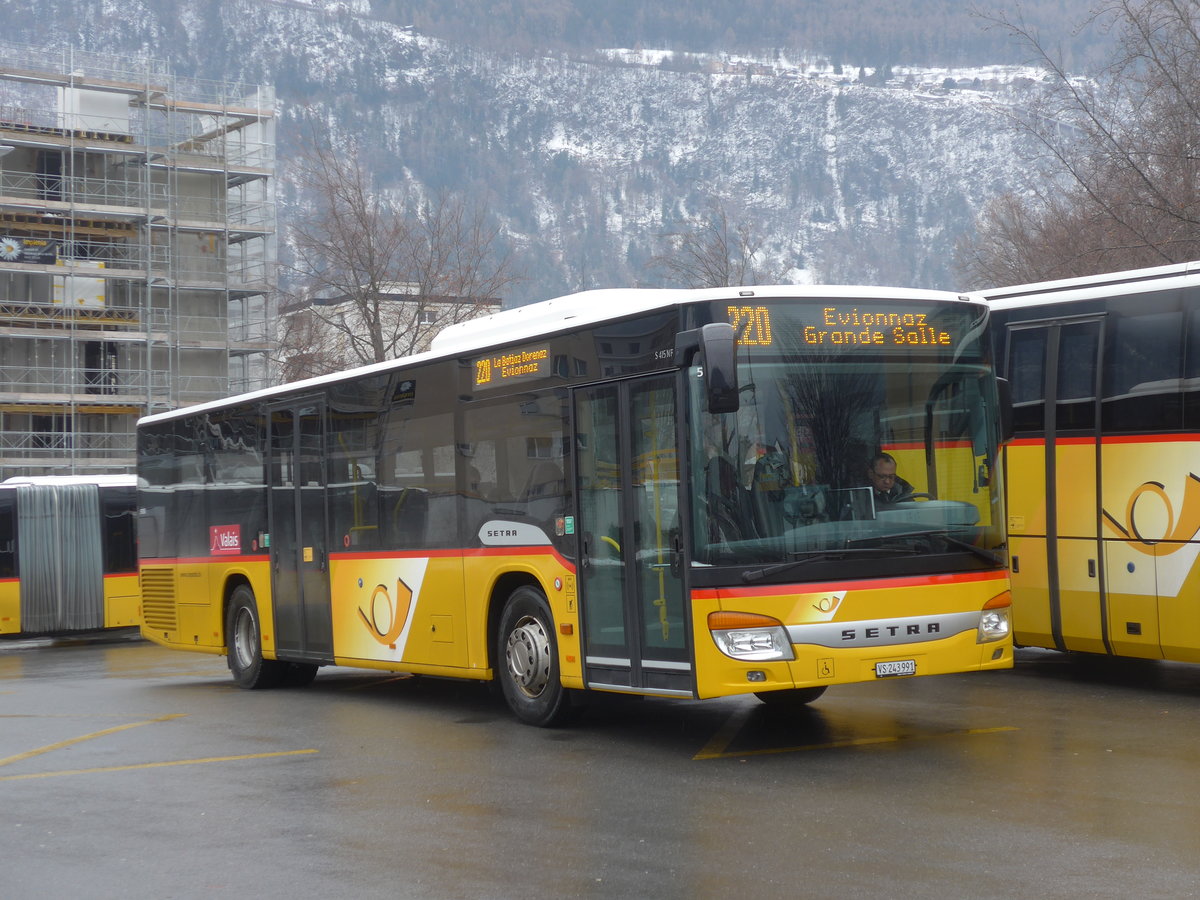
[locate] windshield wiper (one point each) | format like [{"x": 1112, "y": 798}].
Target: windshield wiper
[
  {"x": 751, "y": 575},
  {"x": 982, "y": 552}
]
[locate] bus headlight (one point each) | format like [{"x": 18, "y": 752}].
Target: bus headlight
[
  {"x": 994, "y": 619},
  {"x": 748, "y": 636}
]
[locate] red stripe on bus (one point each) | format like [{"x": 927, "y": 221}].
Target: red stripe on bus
[
  {"x": 865, "y": 584},
  {"x": 536, "y": 550},
  {"x": 1111, "y": 439}
]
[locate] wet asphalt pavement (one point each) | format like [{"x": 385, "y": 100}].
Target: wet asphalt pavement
[{"x": 127, "y": 770}]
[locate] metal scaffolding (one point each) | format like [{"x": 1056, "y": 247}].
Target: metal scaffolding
[{"x": 137, "y": 251}]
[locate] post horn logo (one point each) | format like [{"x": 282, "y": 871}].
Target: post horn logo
[
  {"x": 386, "y": 617},
  {"x": 1178, "y": 531}
]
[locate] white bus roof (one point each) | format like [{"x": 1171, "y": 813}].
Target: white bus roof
[
  {"x": 99, "y": 480},
  {"x": 573, "y": 311},
  {"x": 1091, "y": 287}
]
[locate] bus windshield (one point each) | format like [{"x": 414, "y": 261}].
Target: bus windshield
[{"x": 883, "y": 458}]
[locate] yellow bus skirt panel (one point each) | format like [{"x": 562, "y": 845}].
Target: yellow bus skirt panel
[
  {"x": 10, "y": 606},
  {"x": 121, "y": 600},
  {"x": 414, "y": 612},
  {"x": 183, "y": 602},
  {"x": 866, "y": 614},
  {"x": 1031, "y": 592}
]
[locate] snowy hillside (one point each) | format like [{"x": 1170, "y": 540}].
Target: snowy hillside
[{"x": 851, "y": 175}]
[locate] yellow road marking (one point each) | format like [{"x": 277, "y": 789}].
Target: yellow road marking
[
  {"x": 156, "y": 765},
  {"x": 29, "y": 754},
  {"x": 718, "y": 746},
  {"x": 725, "y": 735}
]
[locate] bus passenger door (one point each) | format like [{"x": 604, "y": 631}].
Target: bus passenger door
[
  {"x": 1053, "y": 472},
  {"x": 635, "y": 623},
  {"x": 299, "y": 545}
]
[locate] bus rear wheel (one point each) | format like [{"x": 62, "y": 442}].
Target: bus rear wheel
[
  {"x": 243, "y": 639},
  {"x": 527, "y": 660},
  {"x": 790, "y": 699}
]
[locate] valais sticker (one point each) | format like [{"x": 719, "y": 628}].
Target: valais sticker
[{"x": 224, "y": 539}]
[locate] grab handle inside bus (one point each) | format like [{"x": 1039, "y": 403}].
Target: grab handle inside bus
[{"x": 716, "y": 344}]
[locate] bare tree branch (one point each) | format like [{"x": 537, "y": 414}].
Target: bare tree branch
[
  {"x": 1116, "y": 186},
  {"x": 375, "y": 274},
  {"x": 713, "y": 252}
]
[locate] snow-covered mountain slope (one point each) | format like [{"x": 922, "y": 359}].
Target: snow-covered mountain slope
[{"x": 587, "y": 163}]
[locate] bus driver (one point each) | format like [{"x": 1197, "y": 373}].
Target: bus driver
[{"x": 886, "y": 485}]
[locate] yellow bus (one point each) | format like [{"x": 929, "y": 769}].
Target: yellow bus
[
  {"x": 653, "y": 492},
  {"x": 68, "y": 561},
  {"x": 1103, "y": 471}
]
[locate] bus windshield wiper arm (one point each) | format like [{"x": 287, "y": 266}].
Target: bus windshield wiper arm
[
  {"x": 981, "y": 552},
  {"x": 750, "y": 575}
]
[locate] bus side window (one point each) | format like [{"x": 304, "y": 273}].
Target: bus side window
[
  {"x": 1027, "y": 374},
  {"x": 1141, "y": 384},
  {"x": 118, "y": 544},
  {"x": 1191, "y": 373},
  {"x": 417, "y": 500},
  {"x": 8, "y": 547},
  {"x": 353, "y": 503},
  {"x": 519, "y": 453}
]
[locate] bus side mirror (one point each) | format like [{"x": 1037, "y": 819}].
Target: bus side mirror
[
  {"x": 716, "y": 344},
  {"x": 1004, "y": 391}
]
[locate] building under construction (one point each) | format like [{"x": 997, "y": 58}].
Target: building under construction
[{"x": 137, "y": 251}]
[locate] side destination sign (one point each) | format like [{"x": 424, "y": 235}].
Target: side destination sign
[{"x": 512, "y": 365}]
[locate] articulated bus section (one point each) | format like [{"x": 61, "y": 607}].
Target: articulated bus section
[{"x": 68, "y": 558}]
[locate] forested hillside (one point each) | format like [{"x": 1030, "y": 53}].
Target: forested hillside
[{"x": 587, "y": 160}]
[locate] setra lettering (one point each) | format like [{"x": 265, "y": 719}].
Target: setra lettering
[{"x": 877, "y": 632}]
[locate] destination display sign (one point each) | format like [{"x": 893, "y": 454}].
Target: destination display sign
[
  {"x": 508, "y": 366},
  {"x": 847, "y": 326}
]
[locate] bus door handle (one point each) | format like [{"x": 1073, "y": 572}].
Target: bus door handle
[{"x": 676, "y": 554}]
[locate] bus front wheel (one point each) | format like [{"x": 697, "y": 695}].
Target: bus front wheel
[
  {"x": 244, "y": 643},
  {"x": 527, "y": 660}
]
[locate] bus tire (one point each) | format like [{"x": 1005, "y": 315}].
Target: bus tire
[
  {"x": 790, "y": 699},
  {"x": 243, "y": 639},
  {"x": 299, "y": 674},
  {"x": 527, "y": 660}
]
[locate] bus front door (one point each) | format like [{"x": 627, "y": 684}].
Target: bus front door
[
  {"x": 299, "y": 546},
  {"x": 635, "y": 622},
  {"x": 1053, "y": 477}
]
